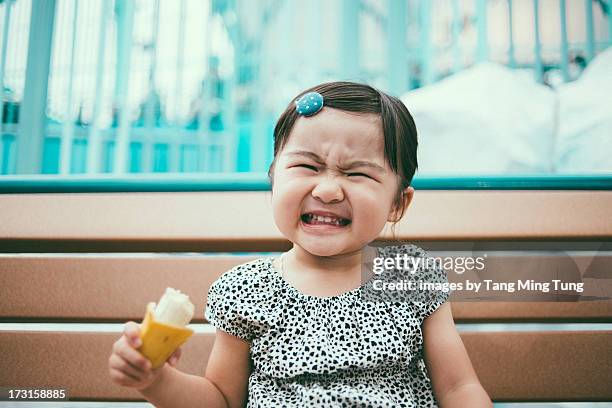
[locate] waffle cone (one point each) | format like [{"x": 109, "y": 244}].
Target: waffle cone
[{"x": 160, "y": 340}]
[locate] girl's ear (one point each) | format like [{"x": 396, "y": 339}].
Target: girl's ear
[{"x": 407, "y": 195}]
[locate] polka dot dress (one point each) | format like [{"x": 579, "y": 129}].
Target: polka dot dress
[{"x": 338, "y": 351}]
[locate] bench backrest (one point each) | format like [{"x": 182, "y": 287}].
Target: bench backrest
[{"x": 77, "y": 266}]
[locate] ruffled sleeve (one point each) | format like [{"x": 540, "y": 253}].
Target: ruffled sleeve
[
  {"x": 432, "y": 274},
  {"x": 430, "y": 287},
  {"x": 225, "y": 305}
]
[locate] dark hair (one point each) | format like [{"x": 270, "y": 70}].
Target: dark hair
[{"x": 399, "y": 130}]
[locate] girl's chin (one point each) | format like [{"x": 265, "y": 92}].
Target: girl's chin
[
  {"x": 322, "y": 244},
  {"x": 322, "y": 251}
]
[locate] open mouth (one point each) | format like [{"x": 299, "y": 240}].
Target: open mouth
[{"x": 311, "y": 219}]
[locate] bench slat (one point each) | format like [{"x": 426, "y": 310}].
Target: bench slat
[
  {"x": 116, "y": 288},
  {"x": 551, "y": 366},
  {"x": 512, "y": 366},
  {"x": 105, "y": 288},
  {"x": 532, "y": 312},
  {"x": 79, "y": 362},
  {"x": 243, "y": 221}
]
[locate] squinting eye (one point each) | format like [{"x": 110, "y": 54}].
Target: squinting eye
[
  {"x": 359, "y": 174},
  {"x": 307, "y": 166}
]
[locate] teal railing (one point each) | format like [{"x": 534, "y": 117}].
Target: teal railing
[{"x": 259, "y": 182}]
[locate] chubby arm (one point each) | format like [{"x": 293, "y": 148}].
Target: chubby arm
[
  {"x": 453, "y": 378},
  {"x": 224, "y": 385},
  {"x": 229, "y": 368}
]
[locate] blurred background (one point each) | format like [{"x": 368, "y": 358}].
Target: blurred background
[{"x": 496, "y": 87}]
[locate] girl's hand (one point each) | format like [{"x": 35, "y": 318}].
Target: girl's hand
[{"x": 128, "y": 367}]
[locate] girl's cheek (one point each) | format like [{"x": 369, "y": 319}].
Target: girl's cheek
[{"x": 288, "y": 177}]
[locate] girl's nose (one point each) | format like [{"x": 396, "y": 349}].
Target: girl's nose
[{"x": 328, "y": 190}]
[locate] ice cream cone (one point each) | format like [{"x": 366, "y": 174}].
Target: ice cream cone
[{"x": 160, "y": 340}]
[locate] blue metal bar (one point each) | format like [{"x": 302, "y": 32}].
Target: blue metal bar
[
  {"x": 428, "y": 75},
  {"x": 511, "y": 51},
  {"x": 564, "y": 43},
  {"x": 313, "y": 47},
  {"x": 175, "y": 159},
  {"x": 152, "y": 103},
  {"x": 539, "y": 71},
  {"x": 229, "y": 108},
  {"x": 349, "y": 49},
  {"x": 456, "y": 21},
  {"x": 589, "y": 30},
  {"x": 206, "y": 95},
  {"x": 125, "y": 17},
  {"x": 32, "y": 117},
  {"x": 68, "y": 122},
  {"x": 397, "y": 50},
  {"x": 259, "y": 140},
  {"x": 180, "y": 60},
  {"x": 94, "y": 142},
  {"x": 6, "y": 21},
  {"x": 79, "y": 183},
  {"x": 482, "y": 52},
  {"x": 610, "y": 23},
  {"x": 8, "y": 156},
  {"x": 259, "y": 136}
]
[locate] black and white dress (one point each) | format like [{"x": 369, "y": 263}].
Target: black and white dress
[{"x": 338, "y": 351}]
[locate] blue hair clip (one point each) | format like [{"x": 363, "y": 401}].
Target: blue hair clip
[{"x": 309, "y": 104}]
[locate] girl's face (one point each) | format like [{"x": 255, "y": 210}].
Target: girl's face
[{"x": 333, "y": 162}]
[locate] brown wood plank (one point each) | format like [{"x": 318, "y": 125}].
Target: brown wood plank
[
  {"x": 524, "y": 312},
  {"x": 219, "y": 221},
  {"x": 116, "y": 288},
  {"x": 105, "y": 288},
  {"x": 543, "y": 366},
  {"x": 513, "y": 367},
  {"x": 79, "y": 362},
  {"x": 161, "y": 244}
]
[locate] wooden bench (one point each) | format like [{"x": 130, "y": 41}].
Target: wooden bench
[{"x": 74, "y": 263}]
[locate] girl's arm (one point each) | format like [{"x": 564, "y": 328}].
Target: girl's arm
[
  {"x": 225, "y": 383},
  {"x": 453, "y": 378}
]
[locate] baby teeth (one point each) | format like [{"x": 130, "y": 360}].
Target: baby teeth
[{"x": 330, "y": 220}]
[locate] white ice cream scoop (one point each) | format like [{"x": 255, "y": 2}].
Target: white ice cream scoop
[{"x": 174, "y": 308}]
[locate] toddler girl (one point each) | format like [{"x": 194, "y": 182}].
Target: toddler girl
[{"x": 299, "y": 330}]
